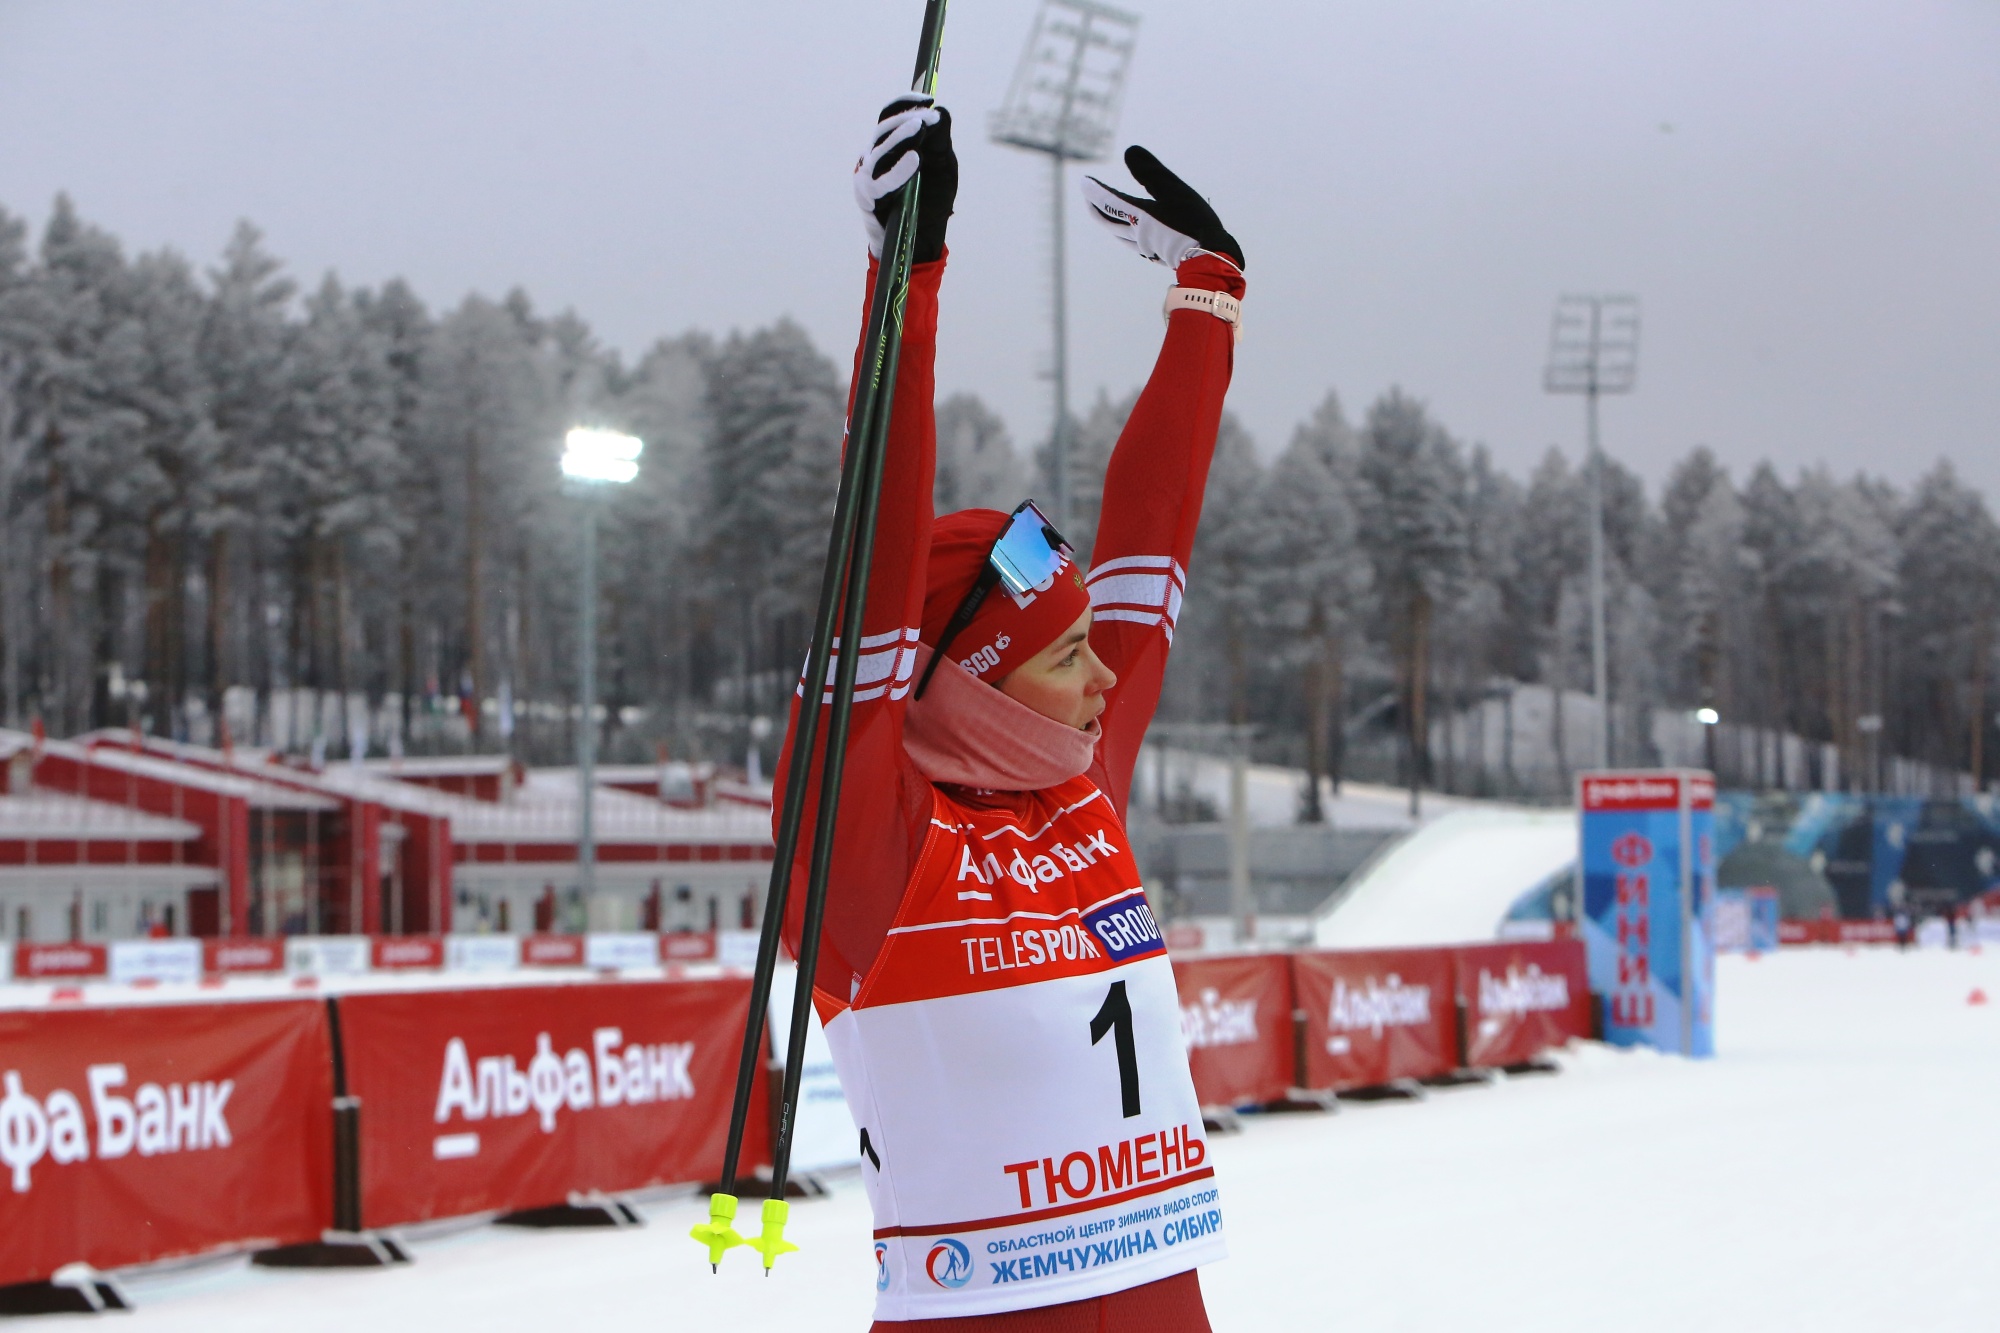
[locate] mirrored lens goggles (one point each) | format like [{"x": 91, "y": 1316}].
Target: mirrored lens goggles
[
  {"x": 1029, "y": 551},
  {"x": 1026, "y": 557}
]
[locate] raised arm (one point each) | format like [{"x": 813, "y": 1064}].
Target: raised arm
[
  {"x": 1158, "y": 473},
  {"x": 885, "y": 803}
]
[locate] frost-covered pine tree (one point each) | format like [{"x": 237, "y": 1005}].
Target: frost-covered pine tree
[
  {"x": 169, "y": 475},
  {"x": 77, "y": 384},
  {"x": 1091, "y": 439},
  {"x": 245, "y": 344},
  {"x": 1481, "y": 638},
  {"x": 772, "y": 459},
  {"x": 18, "y": 333},
  {"x": 483, "y": 416},
  {"x": 977, "y": 467},
  {"x": 1950, "y": 588},
  {"x": 405, "y": 330},
  {"x": 653, "y": 556},
  {"x": 341, "y": 466},
  {"x": 1222, "y": 619},
  {"x": 1552, "y": 554},
  {"x": 1314, "y": 577},
  {"x": 1411, "y": 499}
]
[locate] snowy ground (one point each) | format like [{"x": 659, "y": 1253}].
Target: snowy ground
[
  {"x": 1272, "y": 793},
  {"x": 1836, "y": 1168},
  {"x": 1452, "y": 880}
]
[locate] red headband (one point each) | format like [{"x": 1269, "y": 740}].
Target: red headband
[{"x": 1008, "y": 630}]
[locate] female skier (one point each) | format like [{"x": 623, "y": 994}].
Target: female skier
[{"x": 993, "y": 984}]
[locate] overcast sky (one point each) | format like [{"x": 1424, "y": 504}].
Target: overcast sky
[{"x": 1805, "y": 196}]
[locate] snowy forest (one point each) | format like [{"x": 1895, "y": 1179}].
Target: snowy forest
[{"x": 333, "y": 517}]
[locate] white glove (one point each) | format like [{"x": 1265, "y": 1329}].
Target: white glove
[
  {"x": 886, "y": 165},
  {"x": 1166, "y": 228}
]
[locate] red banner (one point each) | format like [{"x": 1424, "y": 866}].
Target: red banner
[
  {"x": 1236, "y": 1016},
  {"x": 218, "y": 956},
  {"x": 552, "y": 950},
  {"x": 1521, "y": 998},
  {"x": 516, "y": 1097},
  {"x": 59, "y": 960},
  {"x": 1836, "y": 932},
  {"x": 134, "y": 1134},
  {"x": 1374, "y": 1016},
  {"x": 394, "y": 952},
  {"x": 688, "y": 947}
]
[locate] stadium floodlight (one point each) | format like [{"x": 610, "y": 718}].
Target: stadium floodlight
[
  {"x": 1594, "y": 349},
  {"x": 597, "y": 457},
  {"x": 594, "y": 462},
  {"x": 1063, "y": 102}
]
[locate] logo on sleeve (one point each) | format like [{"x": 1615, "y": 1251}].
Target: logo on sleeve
[
  {"x": 949, "y": 1264},
  {"x": 1126, "y": 928}
]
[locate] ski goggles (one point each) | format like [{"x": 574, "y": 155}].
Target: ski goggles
[
  {"x": 1025, "y": 558},
  {"x": 1029, "y": 552}
]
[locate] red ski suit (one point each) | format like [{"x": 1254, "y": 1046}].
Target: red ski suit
[{"x": 1136, "y": 576}]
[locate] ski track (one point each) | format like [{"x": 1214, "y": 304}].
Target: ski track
[{"x": 1833, "y": 1169}]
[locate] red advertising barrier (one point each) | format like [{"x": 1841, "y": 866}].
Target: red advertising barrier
[
  {"x": 220, "y": 956},
  {"x": 392, "y": 952},
  {"x": 138, "y": 1133},
  {"x": 60, "y": 960},
  {"x": 1236, "y": 1016},
  {"x": 1374, "y": 1016},
  {"x": 1836, "y": 932},
  {"x": 1520, "y": 998},
  {"x": 688, "y": 947},
  {"x": 552, "y": 950},
  {"x": 517, "y": 1097}
]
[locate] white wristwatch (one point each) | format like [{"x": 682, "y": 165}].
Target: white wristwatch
[{"x": 1220, "y": 304}]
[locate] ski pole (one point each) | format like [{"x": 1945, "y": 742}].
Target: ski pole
[
  {"x": 718, "y": 1233},
  {"x": 875, "y": 428},
  {"x": 861, "y": 472}
]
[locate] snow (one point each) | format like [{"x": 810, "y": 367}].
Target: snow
[
  {"x": 1271, "y": 792},
  {"x": 44, "y": 814},
  {"x": 70, "y": 993},
  {"x": 1452, "y": 880},
  {"x": 1833, "y": 1169}
]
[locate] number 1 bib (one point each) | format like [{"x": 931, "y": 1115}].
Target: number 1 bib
[{"x": 1029, "y": 1128}]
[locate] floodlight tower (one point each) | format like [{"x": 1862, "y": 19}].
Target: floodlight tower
[
  {"x": 1594, "y": 349},
  {"x": 594, "y": 462},
  {"x": 1064, "y": 102}
]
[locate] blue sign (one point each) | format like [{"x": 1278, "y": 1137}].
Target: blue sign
[
  {"x": 1648, "y": 864},
  {"x": 1745, "y": 920}
]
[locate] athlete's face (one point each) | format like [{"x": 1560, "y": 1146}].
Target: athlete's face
[{"x": 1065, "y": 681}]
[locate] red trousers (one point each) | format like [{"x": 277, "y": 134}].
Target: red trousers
[{"x": 1171, "y": 1305}]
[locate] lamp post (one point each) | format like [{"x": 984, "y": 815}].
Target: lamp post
[
  {"x": 1594, "y": 349},
  {"x": 1064, "y": 102},
  {"x": 593, "y": 462}
]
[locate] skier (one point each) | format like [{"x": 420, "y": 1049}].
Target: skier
[{"x": 993, "y": 984}]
